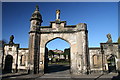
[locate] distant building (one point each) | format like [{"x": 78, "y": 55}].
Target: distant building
[
  {"x": 58, "y": 51},
  {"x": 57, "y": 54}
]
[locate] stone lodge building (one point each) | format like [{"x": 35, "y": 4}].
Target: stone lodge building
[{"x": 83, "y": 59}]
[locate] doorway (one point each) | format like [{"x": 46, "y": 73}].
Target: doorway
[
  {"x": 8, "y": 64},
  {"x": 57, "y": 56},
  {"x": 111, "y": 64}
]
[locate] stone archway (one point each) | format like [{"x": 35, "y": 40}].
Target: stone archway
[
  {"x": 75, "y": 35},
  {"x": 8, "y": 64},
  {"x": 78, "y": 43}
]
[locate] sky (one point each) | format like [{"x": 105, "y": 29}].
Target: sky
[{"x": 101, "y": 18}]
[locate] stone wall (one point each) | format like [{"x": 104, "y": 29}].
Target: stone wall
[
  {"x": 18, "y": 55},
  {"x": 10, "y": 52},
  {"x": 95, "y": 59},
  {"x": 99, "y": 57},
  {"x": 23, "y": 59},
  {"x": 109, "y": 50}
]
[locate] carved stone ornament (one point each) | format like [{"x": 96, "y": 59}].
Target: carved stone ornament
[
  {"x": 109, "y": 38},
  {"x": 11, "y": 40}
]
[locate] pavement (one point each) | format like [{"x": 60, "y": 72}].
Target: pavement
[
  {"x": 65, "y": 75},
  {"x": 59, "y": 72},
  {"x": 19, "y": 76}
]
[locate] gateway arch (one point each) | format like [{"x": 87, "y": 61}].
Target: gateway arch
[{"x": 75, "y": 35}]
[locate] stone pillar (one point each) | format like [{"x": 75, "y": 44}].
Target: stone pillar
[
  {"x": 34, "y": 41},
  {"x": 79, "y": 51},
  {"x": 85, "y": 54},
  {"x": 103, "y": 57},
  {"x": 34, "y": 52},
  {"x": 86, "y": 63},
  {"x": 16, "y": 70},
  {"x": 118, "y": 62},
  {"x": 42, "y": 59},
  {"x": 73, "y": 61}
]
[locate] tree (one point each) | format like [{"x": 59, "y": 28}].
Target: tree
[
  {"x": 51, "y": 53},
  {"x": 119, "y": 40},
  {"x": 2, "y": 42},
  {"x": 67, "y": 52}
]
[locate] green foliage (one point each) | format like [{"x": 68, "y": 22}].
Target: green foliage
[
  {"x": 119, "y": 40},
  {"x": 54, "y": 59},
  {"x": 63, "y": 54},
  {"x": 50, "y": 53},
  {"x": 67, "y": 51},
  {"x": 2, "y": 43},
  {"x": 56, "y": 53}
]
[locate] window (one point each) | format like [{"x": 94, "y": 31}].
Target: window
[
  {"x": 95, "y": 60},
  {"x": 22, "y": 60},
  {"x": 10, "y": 49}
]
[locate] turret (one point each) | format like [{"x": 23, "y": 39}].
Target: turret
[{"x": 36, "y": 19}]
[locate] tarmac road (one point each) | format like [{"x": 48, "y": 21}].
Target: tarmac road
[{"x": 61, "y": 72}]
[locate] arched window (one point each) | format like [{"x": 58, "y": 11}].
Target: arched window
[{"x": 95, "y": 60}]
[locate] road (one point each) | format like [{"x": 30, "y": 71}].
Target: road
[
  {"x": 61, "y": 72},
  {"x": 57, "y": 71}
]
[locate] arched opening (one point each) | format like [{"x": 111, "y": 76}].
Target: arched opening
[
  {"x": 95, "y": 60},
  {"x": 8, "y": 64},
  {"x": 22, "y": 60},
  {"x": 111, "y": 63},
  {"x": 57, "y": 56}
]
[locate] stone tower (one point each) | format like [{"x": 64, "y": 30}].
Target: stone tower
[{"x": 34, "y": 41}]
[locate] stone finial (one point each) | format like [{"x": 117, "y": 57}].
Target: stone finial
[
  {"x": 36, "y": 15},
  {"x": 11, "y": 40},
  {"x": 109, "y": 38},
  {"x": 37, "y": 8},
  {"x": 58, "y": 14}
]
